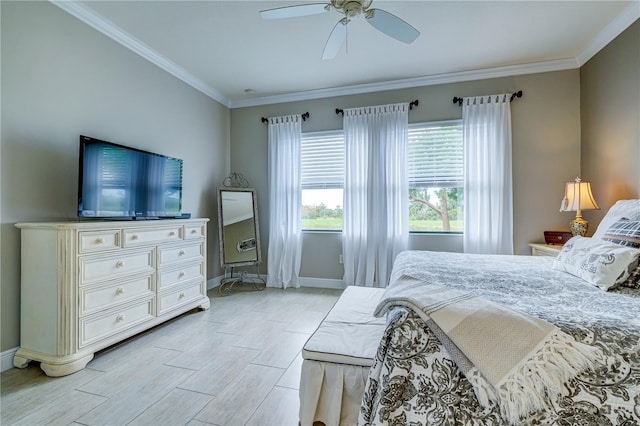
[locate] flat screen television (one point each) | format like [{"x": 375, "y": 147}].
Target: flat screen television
[{"x": 117, "y": 181}]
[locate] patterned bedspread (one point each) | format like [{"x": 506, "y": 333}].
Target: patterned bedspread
[{"x": 414, "y": 381}]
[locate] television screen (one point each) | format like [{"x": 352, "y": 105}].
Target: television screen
[{"x": 119, "y": 181}]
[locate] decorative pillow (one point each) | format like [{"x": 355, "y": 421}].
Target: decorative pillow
[
  {"x": 634, "y": 279},
  {"x": 624, "y": 232},
  {"x": 598, "y": 262},
  {"x": 621, "y": 209}
]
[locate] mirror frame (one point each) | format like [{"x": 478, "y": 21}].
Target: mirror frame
[{"x": 256, "y": 227}]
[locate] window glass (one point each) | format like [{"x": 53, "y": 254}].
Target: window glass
[
  {"x": 436, "y": 177},
  {"x": 322, "y": 180}
]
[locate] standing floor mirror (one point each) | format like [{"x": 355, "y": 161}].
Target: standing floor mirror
[{"x": 239, "y": 234}]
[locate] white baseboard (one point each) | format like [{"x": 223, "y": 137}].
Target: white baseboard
[
  {"x": 304, "y": 282},
  {"x": 214, "y": 282},
  {"x": 6, "y": 359},
  {"x": 321, "y": 283}
]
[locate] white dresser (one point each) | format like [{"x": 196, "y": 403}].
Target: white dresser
[{"x": 88, "y": 285}]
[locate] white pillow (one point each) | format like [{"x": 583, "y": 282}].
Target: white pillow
[
  {"x": 598, "y": 262},
  {"x": 629, "y": 209}
]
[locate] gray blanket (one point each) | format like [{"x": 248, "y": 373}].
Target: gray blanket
[{"x": 511, "y": 359}]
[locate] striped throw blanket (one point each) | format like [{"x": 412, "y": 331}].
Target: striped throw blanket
[{"x": 511, "y": 359}]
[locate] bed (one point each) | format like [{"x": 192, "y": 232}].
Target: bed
[{"x": 417, "y": 379}]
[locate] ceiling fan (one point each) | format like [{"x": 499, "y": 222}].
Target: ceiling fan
[{"x": 380, "y": 19}]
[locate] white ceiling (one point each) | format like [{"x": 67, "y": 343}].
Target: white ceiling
[{"x": 224, "y": 48}]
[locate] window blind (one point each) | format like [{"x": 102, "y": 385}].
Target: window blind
[
  {"x": 322, "y": 160},
  {"x": 436, "y": 154},
  {"x": 113, "y": 166}
]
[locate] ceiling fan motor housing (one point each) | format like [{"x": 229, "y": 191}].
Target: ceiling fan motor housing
[{"x": 351, "y": 8}]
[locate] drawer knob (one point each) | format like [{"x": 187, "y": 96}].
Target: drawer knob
[
  {"x": 172, "y": 233},
  {"x": 181, "y": 295},
  {"x": 181, "y": 253},
  {"x": 99, "y": 241},
  {"x": 193, "y": 231},
  {"x": 181, "y": 274},
  {"x": 120, "y": 318},
  {"x": 120, "y": 264},
  {"x": 119, "y": 290},
  {"x": 134, "y": 237}
]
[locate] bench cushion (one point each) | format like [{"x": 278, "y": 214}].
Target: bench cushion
[{"x": 349, "y": 334}]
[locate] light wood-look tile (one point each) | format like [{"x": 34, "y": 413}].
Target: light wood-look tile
[
  {"x": 238, "y": 401},
  {"x": 178, "y": 407},
  {"x": 23, "y": 391},
  {"x": 282, "y": 350},
  {"x": 236, "y": 364},
  {"x": 280, "y": 408},
  {"x": 224, "y": 367},
  {"x": 291, "y": 377},
  {"x": 134, "y": 395},
  {"x": 62, "y": 410}
]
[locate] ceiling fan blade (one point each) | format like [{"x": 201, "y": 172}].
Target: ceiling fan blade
[
  {"x": 391, "y": 25},
  {"x": 294, "y": 11},
  {"x": 336, "y": 39}
]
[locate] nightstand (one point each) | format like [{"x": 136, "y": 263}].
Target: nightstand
[{"x": 540, "y": 249}]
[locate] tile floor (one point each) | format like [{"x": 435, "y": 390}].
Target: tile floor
[{"x": 236, "y": 364}]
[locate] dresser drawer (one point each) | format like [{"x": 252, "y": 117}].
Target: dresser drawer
[
  {"x": 167, "y": 278},
  {"x": 99, "y": 327},
  {"x": 98, "y": 240},
  {"x": 94, "y": 268},
  {"x": 175, "y": 298},
  {"x": 102, "y": 297},
  {"x": 194, "y": 231},
  {"x": 143, "y": 236},
  {"x": 169, "y": 255}
]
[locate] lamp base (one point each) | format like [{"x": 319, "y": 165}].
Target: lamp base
[{"x": 579, "y": 226}]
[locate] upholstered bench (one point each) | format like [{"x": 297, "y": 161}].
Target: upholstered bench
[{"x": 337, "y": 357}]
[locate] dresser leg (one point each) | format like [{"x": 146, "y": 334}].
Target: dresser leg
[
  {"x": 58, "y": 370},
  {"x": 20, "y": 362},
  {"x": 205, "y": 305}
]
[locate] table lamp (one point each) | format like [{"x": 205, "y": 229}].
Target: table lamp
[{"x": 578, "y": 197}]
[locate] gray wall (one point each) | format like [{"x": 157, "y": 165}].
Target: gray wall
[
  {"x": 546, "y": 153},
  {"x": 610, "y": 110},
  {"x": 60, "y": 79}
]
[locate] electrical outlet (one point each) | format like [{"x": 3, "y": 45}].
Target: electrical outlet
[{"x": 340, "y": 259}]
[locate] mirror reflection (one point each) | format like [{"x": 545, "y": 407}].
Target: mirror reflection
[{"x": 239, "y": 232}]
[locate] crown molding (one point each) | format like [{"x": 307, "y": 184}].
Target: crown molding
[
  {"x": 610, "y": 32},
  {"x": 455, "y": 77},
  {"x": 111, "y": 30},
  {"x": 108, "y": 28}
]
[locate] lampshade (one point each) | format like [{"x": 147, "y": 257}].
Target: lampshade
[{"x": 578, "y": 196}]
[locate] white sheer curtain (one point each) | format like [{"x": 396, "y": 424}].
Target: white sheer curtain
[
  {"x": 376, "y": 192},
  {"x": 285, "y": 235},
  {"x": 488, "y": 195}
]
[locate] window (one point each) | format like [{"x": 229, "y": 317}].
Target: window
[
  {"x": 322, "y": 180},
  {"x": 436, "y": 177}
]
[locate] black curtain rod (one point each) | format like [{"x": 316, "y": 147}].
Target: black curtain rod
[
  {"x": 411, "y": 105},
  {"x": 518, "y": 94},
  {"x": 304, "y": 117}
]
